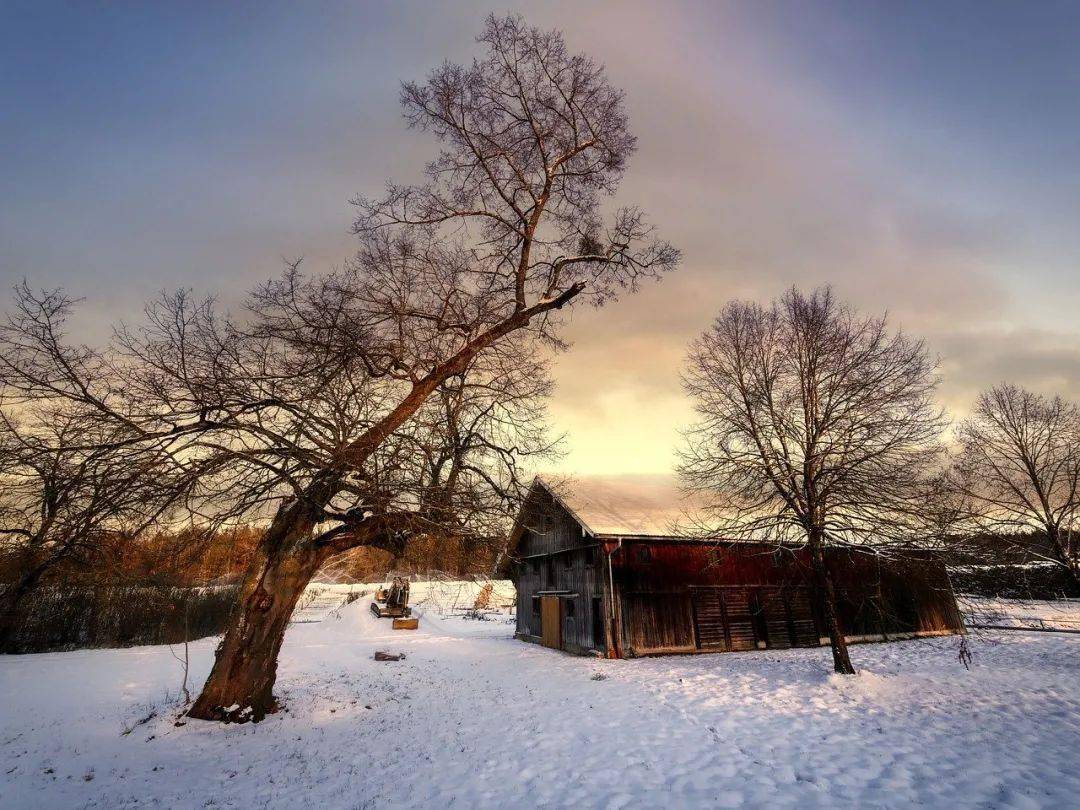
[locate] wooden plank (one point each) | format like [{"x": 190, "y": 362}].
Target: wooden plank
[
  {"x": 801, "y": 611},
  {"x": 551, "y": 622},
  {"x": 709, "y": 619},
  {"x": 659, "y": 621},
  {"x": 777, "y": 628},
  {"x": 740, "y": 624}
]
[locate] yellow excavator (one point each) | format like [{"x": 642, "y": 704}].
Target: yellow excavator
[{"x": 392, "y": 601}]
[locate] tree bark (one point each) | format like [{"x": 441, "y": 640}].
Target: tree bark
[
  {"x": 827, "y": 597},
  {"x": 241, "y": 683}
]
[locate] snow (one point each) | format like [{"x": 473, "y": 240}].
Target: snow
[
  {"x": 473, "y": 718},
  {"x": 627, "y": 505},
  {"x": 321, "y": 599},
  {"x": 1063, "y": 614}
]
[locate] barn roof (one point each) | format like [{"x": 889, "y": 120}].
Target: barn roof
[
  {"x": 635, "y": 507},
  {"x": 626, "y": 505}
]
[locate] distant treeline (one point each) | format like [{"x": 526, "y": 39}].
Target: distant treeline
[
  {"x": 189, "y": 558},
  {"x": 67, "y": 616},
  {"x": 1013, "y": 581},
  {"x": 166, "y": 587},
  {"x": 1013, "y": 566},
  {"x": 180, "y": 558},
  {"x": 161, "y": 588}
]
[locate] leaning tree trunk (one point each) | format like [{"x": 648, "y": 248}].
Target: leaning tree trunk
[
  {"x": 827, "y": 596},
  {"x": 241, "y": 683}
]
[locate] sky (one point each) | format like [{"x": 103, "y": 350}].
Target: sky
[{"x": 924, "y": 159}]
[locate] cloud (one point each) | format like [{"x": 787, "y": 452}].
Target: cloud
[
  {"x": 760, "y": 181},
  {"x": 1043, "y": 360},
  {"x": 222, "y": 154}
]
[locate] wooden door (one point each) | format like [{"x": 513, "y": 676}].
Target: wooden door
[
  {"x": 658, "y": 622},
  {"x": 551, "y": 622},
  {"x": 803, "y": 630},
  {"x": 777, "y": 626},
  {"x": 709, "y": 619},
  {"x": 740, "y": 623}
]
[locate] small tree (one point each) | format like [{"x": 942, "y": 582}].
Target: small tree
[
  {"x": 65, "y": 490},
  {"x": 1018, "y": 468},
  {"x": 816, "y": 426}
]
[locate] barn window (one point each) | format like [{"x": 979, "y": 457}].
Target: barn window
[
  {"x": 550, "y": 572},
  {"x": 536, "y": 605},
  {"x": 571, "y": 608},
  {"x": 644, "y": 554},
  {"x": 590, "y": 556},
  {"x": 567, "y": 559},
  {"x": 534, "y": 564}
]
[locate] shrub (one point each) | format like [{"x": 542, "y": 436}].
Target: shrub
[{"x": 62, "y": 616}]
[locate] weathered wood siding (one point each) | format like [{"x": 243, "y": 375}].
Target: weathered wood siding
[
  {"x": 555, "y": 555},
  {"x": 891, "y": 596},
  {"x": 659, "y": 622},
  {"x": 684, "y": 597},
  {"x": 548, "y": 527},
  {"x": 678, "y": 596}
]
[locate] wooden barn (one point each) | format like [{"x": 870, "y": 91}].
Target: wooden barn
[{"x": 599, "y": 572}]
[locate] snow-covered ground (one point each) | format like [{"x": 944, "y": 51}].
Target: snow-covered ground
[
  {"x": 471, "y": 718},
  {"x": 1033, "y": 614},
  {"x": 444, "y": 595}
]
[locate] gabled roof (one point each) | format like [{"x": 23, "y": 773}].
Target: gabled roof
[
  {"x": 623, "y": 505},
  {"x": 634, "y": 507}
]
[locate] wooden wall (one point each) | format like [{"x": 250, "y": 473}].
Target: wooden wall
[
  {"x": 685, "y": 597},
  {"x": 673, "y": 596},
  {"x": 890, "y": 596},
  {"x": 554, "y": 554}
]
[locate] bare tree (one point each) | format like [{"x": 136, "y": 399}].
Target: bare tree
[
  {"x": 1018, "y": 468},
  {"x": 816, "y": 426},
  {"x": 63, "y": 493},
  {"x": 471, "y": 441},
  {"x": 307, "y": 409}
]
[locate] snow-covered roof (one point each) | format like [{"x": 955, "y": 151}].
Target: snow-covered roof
[{"x": 626, "y": 505}]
